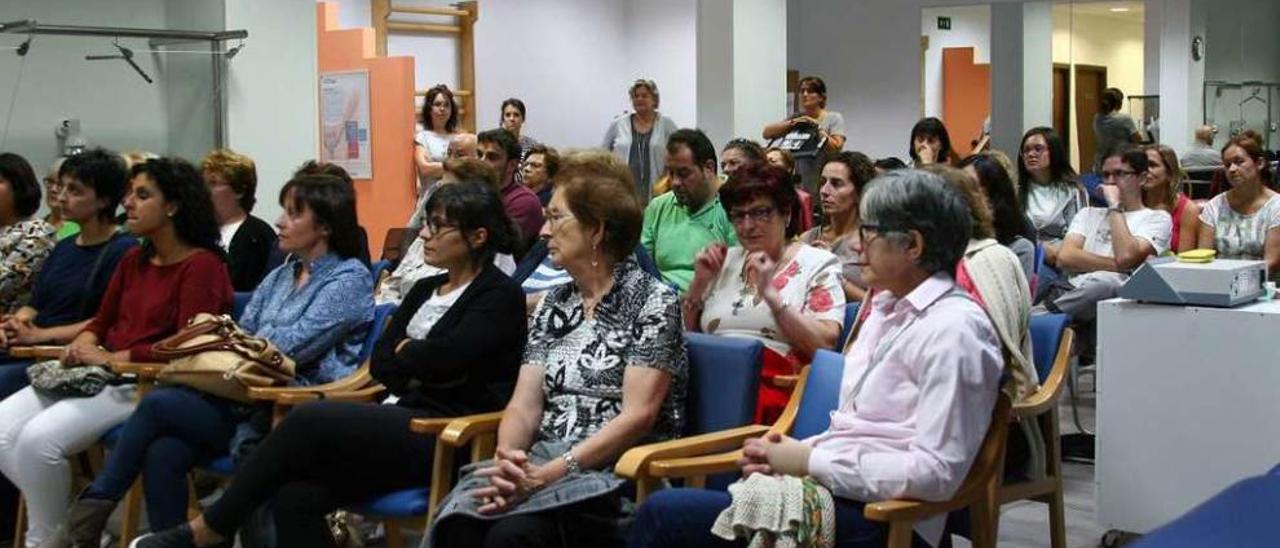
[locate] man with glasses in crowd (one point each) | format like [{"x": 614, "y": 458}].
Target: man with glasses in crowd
[
  {"x": 1104, "y": 244},
  {"x": 682, "y": 221}
]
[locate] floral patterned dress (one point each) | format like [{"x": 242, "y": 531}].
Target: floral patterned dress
[
  {"x": 24, "y": 246},
  {"x": 808, "y": 283}
]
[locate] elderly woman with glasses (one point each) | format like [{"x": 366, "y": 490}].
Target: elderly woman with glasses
[
  {"x": 784, "y": 293},
  {"x": 921, "y": 380}
]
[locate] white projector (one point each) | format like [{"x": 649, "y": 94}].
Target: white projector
[{"x": 1222, "y": 282}]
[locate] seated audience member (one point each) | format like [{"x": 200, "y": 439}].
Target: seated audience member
[
  {"x": 885, "y": 165},
  {"x": 461, "y": 146},
  {"x": 1244, "y": 222},
  {"x": 1049, "y": 192},
  {"x": 500, "y": 149},
  {"x": 636, "y": 138},
  {"x": 929, "y": 363},
  {"x": 740, "y": 153},
  {"x": 992, "y": 275},
  {"x": 316, "y": 308},
  {"x": 930, "y": 143},
  {"x": 814, "y": 114},
  {"x": 178, "y": 272},
  {"x": 25, "y": 241},
  {"x": 414, "y": 266},
  {"x": 784, "y": 293},
  {"x": 439, "y": 119},
  {"x": 844, "y": 178},
  {"x": 604, "y": 370},
  {"x": 540, "y": 165},
  {"x": 678, "y": 224},
  {"x": 1202, "y": 154},
  {"x": 52, "y": 188},
  {"x": 779, "y": 158},
  {"x": 452, "y": 348},
  {"x": 312, "y": 167},
  {"x": 1104, "y": 245},
  {"x": 1010, "y": 226},
  {"x": 248, "y": 240},
  {"x": 71, "y": 282},
  {"x": 1163, "y": 190}
]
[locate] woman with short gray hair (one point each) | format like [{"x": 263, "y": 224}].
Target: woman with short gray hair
[
  {"x": 924, "y": 373},
  {"x": 639, "y": 138}
]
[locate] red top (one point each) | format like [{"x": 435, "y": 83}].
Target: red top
[
  {"x": 145, "y": 303},
  {"x": 1177, "y": 222},
  {"x": 524, "y": 207}
]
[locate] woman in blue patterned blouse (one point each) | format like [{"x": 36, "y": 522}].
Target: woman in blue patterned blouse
[{"x": 316, "y": 308}]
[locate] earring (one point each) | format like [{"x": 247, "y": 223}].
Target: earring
[{"x": 595, "y": 256}]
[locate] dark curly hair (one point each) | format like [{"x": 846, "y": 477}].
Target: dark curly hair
[
  {"x": 180, "y": 183},
  {"x": 22, "y": 179},
  {"x": 449, "y": 125},
  {"x": 763, "y": 181},
  {"x": 472, "y": 205},
  {"x": 102, "y": 170}
]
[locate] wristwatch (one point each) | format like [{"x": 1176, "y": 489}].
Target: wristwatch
[{"x": 1115, "y": 208}]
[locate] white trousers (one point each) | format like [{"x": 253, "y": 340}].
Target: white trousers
[{"x": 38, "y": 434}]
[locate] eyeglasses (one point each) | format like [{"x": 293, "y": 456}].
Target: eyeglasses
[
  {"x": 437, "y": 226},
  {"x": 759, "y": 214},
  {"x": 555, "y": 218},
  {"x": 1120, "y": 173},
  {"x": 864, "y": 229}
]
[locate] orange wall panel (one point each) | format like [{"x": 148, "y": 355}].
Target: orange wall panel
[
  {"x": 386, "y": 200},
  {"x": 966, "y": 97}
]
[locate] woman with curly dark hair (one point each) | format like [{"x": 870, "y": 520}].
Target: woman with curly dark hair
[{"x": 156, "y": 289}]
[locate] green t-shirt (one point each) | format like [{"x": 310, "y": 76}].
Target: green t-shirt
[
  {"x": 68, "y": 228},
  {"x": 674, "y": 237}
]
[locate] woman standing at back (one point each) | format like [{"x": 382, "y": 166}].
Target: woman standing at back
[{"x": 639, "y": 138}]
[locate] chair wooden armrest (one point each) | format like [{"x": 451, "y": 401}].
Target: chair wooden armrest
[
  {"x": 356, "y": 381},
  {"x": 462, "y": 430},
  {"x": 911, "y": 510},
  {"x": 642, "y": 460},
  {"x": 704, "y": 465},
  {"x": 785, "y": 381},
  {"x": 429, "y": 427},
  {"x": 1046, "y": 397},
  {"x": 36, "y": 352},
  {"x": 145, "y": 371}
]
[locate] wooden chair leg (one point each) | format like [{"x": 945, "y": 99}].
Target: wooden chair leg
[
  {"x": 132, "y": 513},
  {"x": 983, "y": 524},
  {"x": 20, "y": 528},
  {"x": 900, "y": 534},
  {"x": 395, "y": 533},
  {"x": 1057, "y": 519},
  {"x": 441, "y": 478}
]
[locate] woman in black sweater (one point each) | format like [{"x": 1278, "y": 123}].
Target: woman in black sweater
[{"x": 452, "y": 348}]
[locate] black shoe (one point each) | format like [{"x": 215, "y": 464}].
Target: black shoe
[{"x": 177, "y": 537}]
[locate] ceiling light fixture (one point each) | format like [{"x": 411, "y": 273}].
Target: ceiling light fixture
[{"x": 1119, "y": 10}]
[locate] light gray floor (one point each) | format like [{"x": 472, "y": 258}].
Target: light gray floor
[{"x": 1026, "y": 524}]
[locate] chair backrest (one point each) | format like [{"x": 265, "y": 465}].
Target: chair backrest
[
  {"x": 724, "y": 377},
  {"x": 241, "y": 301},
  {"x": 821, "y": 394},
  {"x": 377, "y": 268},
  {"x": 381, "y": 313},
  {"x": 1046, "y": 335},
  {"x": 393, "y": 244},
  {"x": 850, "y": 316}
]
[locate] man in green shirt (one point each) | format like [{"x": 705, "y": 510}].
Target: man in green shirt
[{"x": 679, "y": 223}]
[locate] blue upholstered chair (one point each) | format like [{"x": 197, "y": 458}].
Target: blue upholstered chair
[
  {"x": 1242, "y": 515},
  {"x": 241, "y": 301},
  {"x": 1051, "y": 341},
  {"x": 850, "y": 317}
]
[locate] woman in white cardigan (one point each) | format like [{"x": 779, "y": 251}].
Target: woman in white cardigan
[{"x": 639, "y": 138}]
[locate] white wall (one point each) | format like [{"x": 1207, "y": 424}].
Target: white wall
[
  {"x": 1115, "y": 42},
  {"x": 1241, "y": 44},
  {"x": 661, "y": 44},
  {"x": 271, "y": 92},
  {"x": 116, "y": 108},
  {"x": 970, "y": 28},
  {"x": 760, "y": 66},
  {"x": 868, "y": 52},
  {"x": 188, "y": 80}
]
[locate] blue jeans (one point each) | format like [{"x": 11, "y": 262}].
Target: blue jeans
[
  {"x": 171, "y": 430},
  {"x": 674, "y": 518}
]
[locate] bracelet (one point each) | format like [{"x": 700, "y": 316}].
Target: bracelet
[
  {"x": 692, "y": 303},
  {"x": 570, "y": 462}
]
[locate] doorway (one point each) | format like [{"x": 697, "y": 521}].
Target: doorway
[
  {"x": 1090, "y": 81},
  {"x": 1061, "y": 110}
]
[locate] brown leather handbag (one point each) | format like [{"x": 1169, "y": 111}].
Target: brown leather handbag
[{"x": 214, "y": 355}]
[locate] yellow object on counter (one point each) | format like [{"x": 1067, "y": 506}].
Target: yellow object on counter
[{"x": 1197, "y": 256}]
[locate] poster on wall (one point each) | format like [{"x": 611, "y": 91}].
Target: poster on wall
[{"x": 344, "y": 122}]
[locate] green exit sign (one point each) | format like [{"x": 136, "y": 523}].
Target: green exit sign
[{"x": 944, "y": 23}]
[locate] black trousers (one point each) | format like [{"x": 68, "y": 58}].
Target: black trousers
[
  {"x": 323, "y": 456},
  {"x": 590, "y": 523}
]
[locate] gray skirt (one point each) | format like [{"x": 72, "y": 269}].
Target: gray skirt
[{"x": 571, "y": 489}]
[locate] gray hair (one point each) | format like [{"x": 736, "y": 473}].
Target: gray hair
[
  {"x": 910, "y": 199},
  {"x": 646, "y": 84}
]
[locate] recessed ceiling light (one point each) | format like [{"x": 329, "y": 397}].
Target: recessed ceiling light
[{"x": 1119, "y": 10}]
